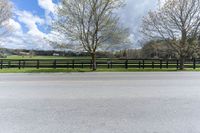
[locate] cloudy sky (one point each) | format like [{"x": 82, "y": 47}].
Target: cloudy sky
[{"x": 31, "y": 18}]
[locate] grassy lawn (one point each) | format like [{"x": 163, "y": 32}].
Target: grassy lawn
[{"x": 50, "y": 70}]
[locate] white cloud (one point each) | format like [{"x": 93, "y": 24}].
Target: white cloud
[
  {"x": 47, "y": 5},
  {"x": 14, "y": 25},
  {"x": 31, "y": 21},
  {"x": 49, "y": 8},
  {"x": 133, "y": 12},
  {"x": 32, "y": 39}
]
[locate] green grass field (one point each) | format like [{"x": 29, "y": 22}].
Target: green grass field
[{"x": 43, "y": 57}]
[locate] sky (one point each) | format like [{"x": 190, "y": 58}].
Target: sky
[{"x": 31, "y": 19}]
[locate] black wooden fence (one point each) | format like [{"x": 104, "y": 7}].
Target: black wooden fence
[{"x": 101, "y": 63}]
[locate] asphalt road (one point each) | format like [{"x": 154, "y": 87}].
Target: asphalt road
[{"x": 100, "y": 103}]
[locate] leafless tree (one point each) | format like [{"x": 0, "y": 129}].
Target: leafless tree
[
  {"x": 92, "y": 24},
  {"x": 178, "y": 23},
  {"x": 5, "y": 14}
]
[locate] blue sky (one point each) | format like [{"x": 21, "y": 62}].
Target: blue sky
[
  {"x": 33, "y": 7},
  {"x": 28, "y": 5},
  {"x": 31, "y": 19},
  {"x": 30, "y": 24}
]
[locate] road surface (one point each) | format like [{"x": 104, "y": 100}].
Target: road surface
[{"x": 100, "y": 103}]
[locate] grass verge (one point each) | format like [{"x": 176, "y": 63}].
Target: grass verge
[
  {"x": 46, "y": 70},
  {"x": 50, "y": 70}
]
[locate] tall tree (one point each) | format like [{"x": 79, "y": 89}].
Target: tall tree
[
  {"x": 5, "y": 14},
  {"x": 178, "y": 23},
  {"x": 92, "y": 24}
]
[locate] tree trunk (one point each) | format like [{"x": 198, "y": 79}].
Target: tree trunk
[
  {"x": 94, "y": 63},
  {"x": 182, "y": 63}
]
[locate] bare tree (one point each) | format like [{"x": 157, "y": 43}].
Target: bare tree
[
  {"x": 178, "y": 23},
  {"x": 5, "y": 14},
  {"x": 91, "y": 24}
]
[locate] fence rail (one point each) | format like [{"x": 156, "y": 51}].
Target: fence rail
[{"x": 101, "y": 63}]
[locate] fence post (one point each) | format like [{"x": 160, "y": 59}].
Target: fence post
[
  {"x": 90, "y": 64},
  {"x": 143, "y": 63},
  {"x": 126, "y": 64},
  {"x": 54, "y": 64},
  {"x": 82, "y": 65},
  {"x": 19, "y": 66},
  {"x": 24, "y": 63},
  {"x": 1, "y": 64},
  {"x": 139, "y": 64},
  {"x": 160, "y": 64},
  {"x": 177, "y": 64},
  {"x": 73, "y": 64},
  {"x": 167, "y": 64},
  {"x": 67, "y": 64},
  {"x": 38, "y": 64},
  {"x": 153, "y": 65},
  {"x": 194, "y": 63},
  {"x": 9, "y": 64}
]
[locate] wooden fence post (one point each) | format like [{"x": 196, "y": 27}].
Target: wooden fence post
[
  {"x": 194, "y": 63},
  {"x": 153, "y": 66},
  {"x": 73, "y": 66},
  {"x": 126, "y": 64},
  {"x": 19, "y": 65},
  {"x": 54, "y": 64},
  {"x": 91, "y": 64},
  {"x": 161, "y": 64},
  {"x": 82, "y": 65},
  {"x": 38, "y": 64},
  {"x": 9, "y": 64},
  {"x": 1, "y": 64},
  {"x": 139, "y": 64},
  {"x": 167, "y": 64},
  {"x": 177, "y": 64},
  {"x": 143, "y": 64},
  {"x": 24, "y": 63},
  {"x": 67, "y": 64}
]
